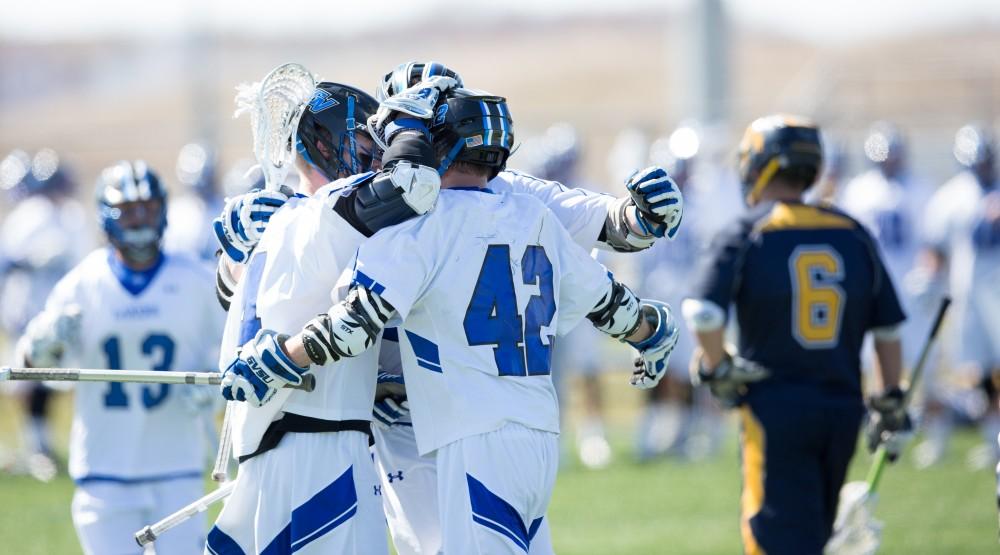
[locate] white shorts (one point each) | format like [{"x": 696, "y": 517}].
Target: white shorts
[
  {"x": 409, "y": 490},
  {"x": 313, "y": 493},
  {"x": 493, "y": 490},
  {"x": 108, "y": 514}
]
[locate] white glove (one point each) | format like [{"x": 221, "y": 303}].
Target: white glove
[
  {"x": 654, "y": 351},
  {"x": 260, "y": 369},
  {"x": 658, "y": 200},
  {"x": 244, "y": 218},
  {"x": 49, "y": 335},
  {"x": 417, "y": 101}
]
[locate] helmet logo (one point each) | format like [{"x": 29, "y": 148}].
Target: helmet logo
[
  {"x": 441, "y": 113},
  {"x": 474, "y": 141},
  {"x": 321, "y": 100}
]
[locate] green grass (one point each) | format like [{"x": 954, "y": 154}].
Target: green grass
[{"x": 665, "y": 507}]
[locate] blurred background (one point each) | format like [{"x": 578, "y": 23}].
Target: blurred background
[{"x": 597, "y": 89}]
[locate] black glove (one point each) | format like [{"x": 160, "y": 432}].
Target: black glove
[
  {"x": 888, "y": 423},
  {"x": 728, "y": 380}
]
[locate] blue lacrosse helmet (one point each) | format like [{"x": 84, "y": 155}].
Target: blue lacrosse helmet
[
  {"x": 474, "y": 127},
  {"x": 127, "y": 211},
  {"x": 327, "y": 136}
]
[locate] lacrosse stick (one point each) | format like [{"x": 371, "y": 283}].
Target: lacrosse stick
[
  {"x": 856, "y": 531},
  {"x": 126, "y": 376},
  {"x": 275, "y": 105},
  {"x": 149, "y": 533}
]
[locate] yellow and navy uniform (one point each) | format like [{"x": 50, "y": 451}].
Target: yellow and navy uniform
[{"x": 807, "y": 282}]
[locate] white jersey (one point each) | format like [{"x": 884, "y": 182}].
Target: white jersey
[
  {"x": 164, "y": 319},
  {"x": 40, "y": 241},
  {"x": 581, "y": 212},
  {"x": 290, "y": 278},
  {"x": 892, "y": 211},
  {"x": 483, "y": 283},
  {"x": 963, "y": 221}
]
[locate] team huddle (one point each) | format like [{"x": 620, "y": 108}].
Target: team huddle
[{"x": 422, "y": 286}]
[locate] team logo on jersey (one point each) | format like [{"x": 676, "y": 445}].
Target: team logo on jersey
[
  {"x": 321, "y": 100},
  {"x": 474, "y": 141},
  {"x": 442, "y": 111}
]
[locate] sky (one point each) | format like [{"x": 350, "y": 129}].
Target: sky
[{"x": 829, "y": 21}]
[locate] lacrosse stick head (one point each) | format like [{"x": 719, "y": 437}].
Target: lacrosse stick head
[
  {"x": 856, "y": 530},
  {"x": 275, "y": 105}
]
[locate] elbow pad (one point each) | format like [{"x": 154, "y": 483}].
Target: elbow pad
[
  {"x": 617, "y": 313},
  {"x": 394, "y": 195},
  {"x": 618, "y": 235},
  {"x": 225, "y": 284},
  {"x": 348, "y": 329}
]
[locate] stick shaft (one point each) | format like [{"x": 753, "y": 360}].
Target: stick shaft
[
  {"x": 128, "y": 376},
  {"x": 107, "y": 375},
  {"x": 221, "y": 471},
  {"x": 881, "y": 455},
  {"x": 153, "y": 531}
]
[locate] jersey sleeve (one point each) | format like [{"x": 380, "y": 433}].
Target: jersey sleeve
[
  {"x": 392, "y": 265},
  {"x": 719, "y": 274},
  {"x": 582, "y": 280},
  {"x": 582, "y": 213}
]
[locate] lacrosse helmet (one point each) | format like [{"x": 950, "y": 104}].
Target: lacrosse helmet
[
  {"x": 474, "y": 127},
  {"x": 778, "y": 145},
  {"x": 408, "y": 74},
  {"x": 975, "y": 150},
  {"x": 132, "y": 209},
  {"x": 327, "y": 136}
]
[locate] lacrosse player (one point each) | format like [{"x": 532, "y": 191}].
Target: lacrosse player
[
  {"x": 40, "y": 240},
  {"x": 192, "y": 211},
  {"x": 409, "y": 484},
  {"x": 962, "y": 223},
  {"x": 136, "y": 451},
  {"x": 808, "y": 283},
  {"x": 477, "y": 363}
]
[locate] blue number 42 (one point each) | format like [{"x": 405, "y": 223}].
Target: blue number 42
[{"x": 493, "y": 319}]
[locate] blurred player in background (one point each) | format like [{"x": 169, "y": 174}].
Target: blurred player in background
[
  {"x": 962, "y": 223},
  {"x": 671, "y": 422},
  {"x": 890, "y": 202},
  {"x": 191, "y": 212},
  {"x": 40, "y": 240},
  {"x": 136, "y": 454},
  {"x": 807, "y": 283}
]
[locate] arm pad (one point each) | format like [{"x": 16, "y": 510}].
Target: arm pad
[
  {"x": 225, "y": 284},
  {"x": 618, "y": 235},
  {"x": 703, "y": 315},
  {"x": 349, "y": 328},
  {"x": 617, "y": 313}
]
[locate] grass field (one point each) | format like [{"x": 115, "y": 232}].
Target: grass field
[{"x": 664, "y": 507}]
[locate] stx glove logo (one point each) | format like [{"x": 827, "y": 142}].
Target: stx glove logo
[{"x": 321, "y": 100}]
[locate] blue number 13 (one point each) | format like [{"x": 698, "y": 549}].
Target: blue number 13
[
  {"x": 493, "y": 319},
  {"x": 159, "y": 345}
]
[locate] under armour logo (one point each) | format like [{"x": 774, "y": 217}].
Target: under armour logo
[
  {"x": 321, "y": 100},
  {"x": 378, "y": 490},
  {"x": 397, "y": 476}
]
